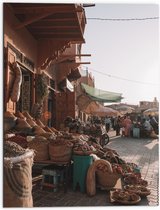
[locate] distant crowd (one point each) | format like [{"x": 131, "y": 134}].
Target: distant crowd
[{"x": 123, "y": 125}]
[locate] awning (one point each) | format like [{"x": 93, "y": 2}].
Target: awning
[
  {"x": 83, "y": 101},
  {"x": 91, "y": 107},
  {"x": 101, "y": 95}
]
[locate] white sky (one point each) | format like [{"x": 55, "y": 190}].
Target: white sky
[{"x": 126, "y": 49}]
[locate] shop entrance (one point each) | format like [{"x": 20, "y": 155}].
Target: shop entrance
[{"x": 25, "y": 101}]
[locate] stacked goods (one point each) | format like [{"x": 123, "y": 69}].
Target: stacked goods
[
  {"x": 20, "y": 115},
  {"x": 23, "y": 126},
  {"x": 17, "y": 175},
  {"x": 60, "y": 151},
  {"x": 40, "y": 145},
  {"x": 132, "y": 179},
  {"x": 31, "y": 122},
  {"x": 83, "y": 148},
  {"x": 39, "y": 122},
  {"x": 20, "y": 140},
  {"x": 54, "y": 130},
  {"x": 93, "y": 129},
  {"x": 27, "y": 115},
  {"x": 48, "y": 135},
  {"x": 47, "y": 129},
  {"x": 138, "y": 189},
  {"x": 9, "y": 121},
  {"x": 29, "y": 119},
  {"x": 124, "y": 197},
  {"x": 38, "y": 130},
  {"x": 12, "y": 149}
]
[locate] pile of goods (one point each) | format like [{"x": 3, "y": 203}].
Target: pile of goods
[
  {"x": 9, "y": 121},
  {"x": 20, "y": 140},
  {"x": 23, "y": 123},
  {"x": 83, "y": 148},
  {"x": 132, "y": 179},
  {"x": 138, "y": 189},
  {"x": 11, "y": 149},
  {"x": 124, "y": 197},
  {"x": 77, "y": 126}
]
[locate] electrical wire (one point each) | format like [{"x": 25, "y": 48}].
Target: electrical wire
[
  {"x": 121, "y": 78},
  {"x": 124, "y": 19}
]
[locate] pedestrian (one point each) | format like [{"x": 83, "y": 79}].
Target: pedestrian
[
  {"x": 127, "y": 126},
  {"x": 118, "y": 125},
  {"x": 107, "y": 123}
]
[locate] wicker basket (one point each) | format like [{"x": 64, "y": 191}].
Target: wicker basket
[
  {"x": 106, "y": 180},
  {"x": 60, "y": 152},
  {"x": 41, "y": 149}
]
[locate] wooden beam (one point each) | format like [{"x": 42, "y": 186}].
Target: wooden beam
[
  {"x": 79, "y": 55},
  {"x": 32, "y": 19},
  {"x": 70, "y": 39},
  {"x": 52, "y": 27},
  {"x": 78, "y": 62},
  {"x": 65, "y": 57},
  {"x": 52, "y": 9},
  {"x": 83, "y": 63},
  {"x": 58, "y": 19},
  {"x": 79, "y": 21},
  {"x": 55, "y": 33}
]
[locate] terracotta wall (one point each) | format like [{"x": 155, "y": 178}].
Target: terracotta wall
[{"x": 20, "y": 38}]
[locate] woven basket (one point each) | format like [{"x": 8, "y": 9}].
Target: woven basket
[
  {"x": 60, "y": 153},
  {"x": 41, "y": 149},
  {"x": 106, "y": 180}
]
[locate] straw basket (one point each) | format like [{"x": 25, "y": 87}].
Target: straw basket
[
  {"x": 106, "y": 180},
  {"x": 41, "y": 148},
  {"x": 60, "y": 152}
]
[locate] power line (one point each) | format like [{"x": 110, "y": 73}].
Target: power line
[
  {"x": 124, "y": 19},
  {"x": 121, "y": 78}
]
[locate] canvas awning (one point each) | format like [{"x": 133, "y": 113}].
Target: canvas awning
[
  {"x": 92, "y": 107},
  {"x": 101, "y": 95}
]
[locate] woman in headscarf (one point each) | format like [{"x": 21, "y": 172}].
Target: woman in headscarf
[{"x": 127, "y": 123}]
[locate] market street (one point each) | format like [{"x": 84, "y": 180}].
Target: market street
[{"x": 143, "y": 152}]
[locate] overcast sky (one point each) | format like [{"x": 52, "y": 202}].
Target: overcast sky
[{"x": 125, "y": 50}]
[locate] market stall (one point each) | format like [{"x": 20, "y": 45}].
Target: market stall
[{"x": 58, "y": 150}]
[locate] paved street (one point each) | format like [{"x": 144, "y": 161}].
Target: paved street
[{"x": 143, "y": 152}]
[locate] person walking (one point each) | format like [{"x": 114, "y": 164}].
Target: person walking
[
  {"x": 117, "y": 125},
  {"x": 107, "y": 123},
  {"x": 127, "y": 126}
]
